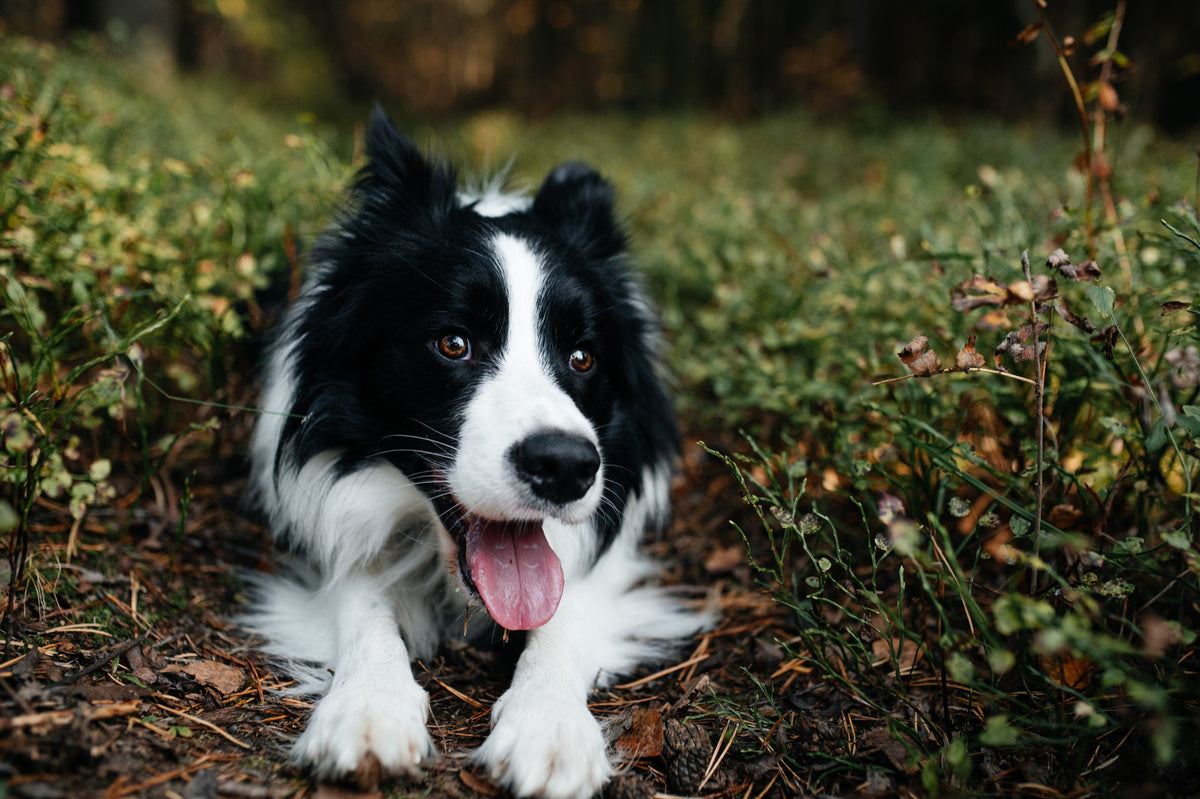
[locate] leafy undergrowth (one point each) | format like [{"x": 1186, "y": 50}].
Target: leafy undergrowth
[{"x": 962, "y": 582}]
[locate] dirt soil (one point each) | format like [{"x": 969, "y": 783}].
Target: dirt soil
[{"x": 125, "y": 673}]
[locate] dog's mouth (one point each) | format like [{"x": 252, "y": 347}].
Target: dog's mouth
[{"x": 512, "y": 568}]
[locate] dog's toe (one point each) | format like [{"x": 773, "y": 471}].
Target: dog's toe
[
  {"x": 545, "y": 747},
  {"x": 366, "y": 735}
]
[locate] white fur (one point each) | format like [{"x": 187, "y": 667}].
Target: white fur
[
  {"x": 520, "y": 399},
  {"x": 384, "y": 589}
]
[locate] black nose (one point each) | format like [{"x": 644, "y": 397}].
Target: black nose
[{"x": 559, "y": 467}]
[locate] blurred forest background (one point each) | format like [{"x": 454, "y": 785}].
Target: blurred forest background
[{"x": 434, "y": 58}]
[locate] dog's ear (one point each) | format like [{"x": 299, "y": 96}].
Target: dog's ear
[
  {"x": 579, "y": 204},
  {"x": 398, "y": 177}
]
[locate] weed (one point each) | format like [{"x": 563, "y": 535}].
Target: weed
[
  {"x": 130, "y": 254},
  {"x": 1005, "y": 567}
]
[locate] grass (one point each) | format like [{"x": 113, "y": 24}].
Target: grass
[{"x": 972, "y": 595}]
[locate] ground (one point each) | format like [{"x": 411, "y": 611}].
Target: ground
[{"x": 127, "y": 674}]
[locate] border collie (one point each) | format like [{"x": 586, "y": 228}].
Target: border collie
[{"x": 465, "y": 433}]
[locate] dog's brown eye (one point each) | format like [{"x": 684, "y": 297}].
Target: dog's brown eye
[
  {"x": 454, "y": 347},
  {"x": 582, "y": 360}
]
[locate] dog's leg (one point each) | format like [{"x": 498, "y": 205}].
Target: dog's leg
[
  {"x": 544, "y": 740},
  {"x": 373, "y": 717}
]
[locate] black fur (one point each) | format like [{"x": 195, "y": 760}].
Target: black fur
[{"x": 404, "y": 266}]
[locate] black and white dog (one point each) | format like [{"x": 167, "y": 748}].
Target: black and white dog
[{"x": 463, "y": 409}]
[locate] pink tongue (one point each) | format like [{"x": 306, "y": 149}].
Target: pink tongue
[{"x": 517, "y": 574}]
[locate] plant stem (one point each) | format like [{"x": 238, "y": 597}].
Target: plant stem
[
  {"x": 1039, "y": 414},
  {"x": 1081, "y": 109}
]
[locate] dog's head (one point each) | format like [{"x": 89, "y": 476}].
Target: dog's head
[{"x": 496, "y": 351}]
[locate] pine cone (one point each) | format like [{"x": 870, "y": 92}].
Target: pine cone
[{"x": 686, "y": 750}]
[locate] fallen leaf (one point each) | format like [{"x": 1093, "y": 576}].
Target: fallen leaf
[
  {"x": 223, "y": 678},
  {"x": 723, "y": 560},
  {"x": 478, "y": 785},
  {"x": 905, "y": 653},
  {"x": 1064, "y": 517},
  {"x": 879, "y": 739},
  {"x": 1068, "y": 670},
  {"x": 643, "y": 736}
]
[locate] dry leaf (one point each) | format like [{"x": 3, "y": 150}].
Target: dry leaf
[
  {"x": 968, "y": 358},
  {"x": 980, "y": 292},
  {"x": 995, "y": 319},
  {"x": 977, "y": 292},
  {"x": 922, "y": 361},
  {"x": 1061, "y": 262},
  {"x": 723, "y": 560},
  {"x": 223, "y": 678},
  {"x": 1043, "y": 288},
  {"x": 1081, "y": 322},
  {"x": 1107, "y": 337},
  {"x": 643, "y": 736},
  {"x": 1064, "y": 517},
  {"x": 478, "y": 785},
  {"x": 890, "y": 508},
  {"x": 1067, "y": 670},
  {"x": 1014, "y": 343},
  {"x": 1058, "y": 259},
  {"x": 1019, "y": 292},
  {"x": 1109, "y": 100},
  {"x": 879, "y": 739},
  {"x": 1028, "y": 34}
]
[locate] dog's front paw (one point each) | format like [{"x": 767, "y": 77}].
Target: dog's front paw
[
  {"x": 367, "y": 732},
  {"x": 545, "y": 746}
]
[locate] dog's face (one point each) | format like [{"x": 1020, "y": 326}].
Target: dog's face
[{"x": 497, "y": 356}]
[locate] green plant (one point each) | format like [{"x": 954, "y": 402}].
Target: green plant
[
  {"x": 132, "y": 246},
  {"x": 1018, "y": 527}
]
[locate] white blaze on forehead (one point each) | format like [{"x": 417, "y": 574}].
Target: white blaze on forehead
[
  {"x": 518, "y": 398},
  {"x": 523, "y": 281}
]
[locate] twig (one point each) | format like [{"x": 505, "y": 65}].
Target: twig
[
  {"x": 663, "y": 673},
  {"x": 718, "y": 755},
  {"x": 460, "y": 696},
  {"x": 700, "y": 685},
  {"x": 202, "y": 723},
  {"x": 948, "y": 371},
  {"x": 119, "y": 789},
  {"x": 1039, "y": 412},
  {"x": 102, "y": 661},
  {"x": 1100, "y": 145},
  {"x": 58, "y": 718},
  {"x": 1081, "y": 109}
]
